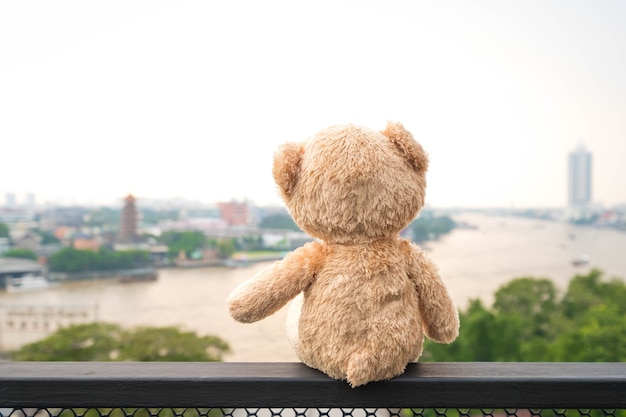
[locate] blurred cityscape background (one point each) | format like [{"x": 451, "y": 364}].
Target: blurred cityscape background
[{"x": 136, "y": 142}]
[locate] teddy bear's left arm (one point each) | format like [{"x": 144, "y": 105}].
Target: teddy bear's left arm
[
  {"x": 439, "y": 315},
  {"x": 271, "y": 288}
]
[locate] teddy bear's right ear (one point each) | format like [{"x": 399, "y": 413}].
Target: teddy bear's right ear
[
  {"x": 408, "y": 147},
  {"x": 286, "y": 168}
]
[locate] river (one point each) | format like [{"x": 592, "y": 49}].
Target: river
[{"x": 474, "y": 263}]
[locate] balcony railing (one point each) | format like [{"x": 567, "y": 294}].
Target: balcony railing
[{"x": 292, "y": 389}]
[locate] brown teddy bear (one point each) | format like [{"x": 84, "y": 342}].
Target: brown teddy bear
[{"x": 368, "y": 297}]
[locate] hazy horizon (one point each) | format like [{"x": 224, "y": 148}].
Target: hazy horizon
[
  {"x": 191, "y": 98},
  {"x": 181, "y": 202}
]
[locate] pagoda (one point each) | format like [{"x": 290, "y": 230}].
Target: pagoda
[{"x": 128, "y": 226}]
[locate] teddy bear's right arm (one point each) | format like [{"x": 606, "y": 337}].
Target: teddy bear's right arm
[
  {"x": 271, "y": 288},
  {"x": 439, "y": 315}
]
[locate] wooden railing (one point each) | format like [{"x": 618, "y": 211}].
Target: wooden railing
[{"x": 93, "y": 385}]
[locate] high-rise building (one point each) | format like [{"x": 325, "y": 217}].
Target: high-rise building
[
  {"x": 29, "y": 203},
  {"x": 128, "y": 225},
  {"x": 579, "y": 178},
  {"x": 9, "y": 200}
]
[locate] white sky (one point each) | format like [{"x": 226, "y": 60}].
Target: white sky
[{"x": 191, "y": 98}]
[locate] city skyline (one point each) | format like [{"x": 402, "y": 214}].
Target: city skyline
[
  {"x": 579, "y": 191},
  {"x": 190, "y": 100}
]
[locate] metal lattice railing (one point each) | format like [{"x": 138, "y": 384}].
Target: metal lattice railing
[
  {"x": 87, "y": 389},
  {"x": 305, "y": 412}
]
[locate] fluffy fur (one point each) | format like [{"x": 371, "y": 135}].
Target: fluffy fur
[{"x": 368, "y": 297}]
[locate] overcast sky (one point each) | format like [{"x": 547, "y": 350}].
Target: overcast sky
[{"x": 191, "y": 98}]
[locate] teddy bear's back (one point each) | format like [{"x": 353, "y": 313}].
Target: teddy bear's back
[{"x": 362, "y": 301}]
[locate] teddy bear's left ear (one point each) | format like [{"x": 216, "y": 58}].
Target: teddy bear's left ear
[
  {"x": 286, "y": 168},
  {"x": 408, "y": 147}
]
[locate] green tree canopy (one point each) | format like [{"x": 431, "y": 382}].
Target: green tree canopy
[
  {"x": 170, "y": 344},
  {"x": 428, "y": 226},
  {"x": 225, "y": 247},
  {"x": 21, "y": 253},
  {"x": 279, "y": 221},
  {"x": 4, "y": 231},
  {"x": 587, "y": 291},
  {"x": 110, "y": 342},
  {"x": 529, "y": 302},
  {"x": 528, "y": 322},
  {"x": 187, "y": 241},
  {"x": 47, "y": 238},
  {"x": 74, "y": 260},
  {"x": 593, "y": 320}
]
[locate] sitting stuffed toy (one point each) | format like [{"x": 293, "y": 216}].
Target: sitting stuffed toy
[{"x": 368, "y": 297}]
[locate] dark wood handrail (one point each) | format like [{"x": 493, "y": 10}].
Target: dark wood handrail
[{"x": 275, "y": 385}]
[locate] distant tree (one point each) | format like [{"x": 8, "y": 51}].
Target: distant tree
[
  {"x": 226, "y": 246},
  {"x": 74, "y": 260},
  {"x": 71, "y": 260},
  {"x": 187, "y": 241},
  {"x": 47, "y": 238},
  {"x": 21, "y": 253},
  {"x": 279, "y": 221},
  {"x": 4, "y": 231},
  {"x": 151, "y": 216},
  {"x": 429, "y": 226},
  {"x": 249, "y": 243},
  {"x": 591, "y": 219},
  {"x": 110, "y": 342}
]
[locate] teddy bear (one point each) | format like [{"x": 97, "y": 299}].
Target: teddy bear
[{"x": 364, "y": 297}]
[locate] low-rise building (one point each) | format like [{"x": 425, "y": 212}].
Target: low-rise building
[{"x": 16, "y": 268}]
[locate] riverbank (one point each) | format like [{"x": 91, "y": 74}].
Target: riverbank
[
  {"x": 238, "y": 260},
  {"x": 124, "y": 275}
]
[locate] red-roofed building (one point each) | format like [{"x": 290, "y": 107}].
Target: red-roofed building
[{"x": 234, "y": 213}]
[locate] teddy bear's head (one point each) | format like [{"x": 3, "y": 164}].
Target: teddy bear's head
[{"x": 349, "y": 184}]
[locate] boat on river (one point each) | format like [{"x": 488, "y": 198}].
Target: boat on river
[
  {"x": 138, "y": 275},
  {"x": 28, "y": 282},
  {"x": 581, "y": 260}
]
